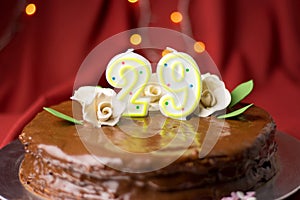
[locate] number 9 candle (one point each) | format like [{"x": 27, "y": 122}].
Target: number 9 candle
[
  {"x": 179, "y": 74},
  {"x": 130, "y": 72}
]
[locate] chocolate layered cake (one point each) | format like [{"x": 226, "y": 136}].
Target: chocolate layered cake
[{"x": 64, "y": 161}]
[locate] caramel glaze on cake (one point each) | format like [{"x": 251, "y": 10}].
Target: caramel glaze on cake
[{"x": 59, "y": 165}]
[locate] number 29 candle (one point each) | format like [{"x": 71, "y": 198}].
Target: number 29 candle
[
  {"x": 179, "y": 74},
  {"x": 130, "y": 72}
]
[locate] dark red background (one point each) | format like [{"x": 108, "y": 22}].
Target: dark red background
[{"x": 40, "y": 54}]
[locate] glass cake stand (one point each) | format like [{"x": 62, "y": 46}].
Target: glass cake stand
[{"x": 285, "y": 183}]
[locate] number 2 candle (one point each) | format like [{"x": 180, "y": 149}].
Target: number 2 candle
[{"x": 130, "y": 72}]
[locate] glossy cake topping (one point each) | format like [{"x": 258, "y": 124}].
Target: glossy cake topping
[{"x": 63, "y": 161}]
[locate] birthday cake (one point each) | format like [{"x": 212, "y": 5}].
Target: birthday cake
[{"x": 110, "y": 152}]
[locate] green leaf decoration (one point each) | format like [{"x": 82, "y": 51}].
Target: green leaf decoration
[
  {"x": 240, "y": 92},
  {"x": 62, "y": 116},
  {"x": 235, "y": 113}
]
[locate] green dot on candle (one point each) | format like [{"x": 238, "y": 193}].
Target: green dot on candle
[
  {"x": 137, "y": 107},
  {"x": 141, "y": 72},
  {"x": 167, "y": 103},
  {"x": 187, "y": 69}
]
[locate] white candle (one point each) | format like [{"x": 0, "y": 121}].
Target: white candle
[
  {"x": 179, "y": 74},
  {"x": 131, "y": 72}
]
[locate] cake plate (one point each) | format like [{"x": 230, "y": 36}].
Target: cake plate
[{"x": 285, "y": 183}]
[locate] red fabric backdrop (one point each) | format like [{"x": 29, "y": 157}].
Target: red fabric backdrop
[{"x": 40, "y": 54}]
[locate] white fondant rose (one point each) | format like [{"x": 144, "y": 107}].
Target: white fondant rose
[
  {"x": 215, "y": 96},
  {"x": 154, "y": 91},
  {"x": 99, "y": 105}
]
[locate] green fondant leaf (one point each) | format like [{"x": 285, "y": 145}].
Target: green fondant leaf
[
  {"x": 235, "y": 113},
  {"x": 240, "y": 92},
  {"x": 62, "y": 116}
]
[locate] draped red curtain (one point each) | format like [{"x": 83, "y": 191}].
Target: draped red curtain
[{"x": 41, "y": 54}]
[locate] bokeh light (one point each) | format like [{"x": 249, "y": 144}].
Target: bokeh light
[
  {"x": 135, "y": 39},
  {"x": 133, "y": 1},
  {"x": 199, "y": 47},
  {"x": 176, "y": 17},
  {"x": 30, "y": 9}
]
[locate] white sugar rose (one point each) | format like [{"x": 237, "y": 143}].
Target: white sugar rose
[
  {"x": 100, "y": 106},
  {"x": 215, "y": 96},
  {"x": 154, "y": 91}
]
